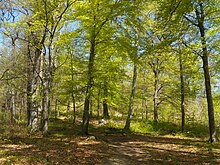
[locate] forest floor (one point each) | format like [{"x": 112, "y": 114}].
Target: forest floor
[{"x": 65, "y": 146}]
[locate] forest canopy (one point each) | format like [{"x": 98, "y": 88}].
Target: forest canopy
[{"x": 133, "y": 61}]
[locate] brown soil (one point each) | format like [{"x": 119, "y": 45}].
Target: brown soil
[{"x": 103, "y": 149}]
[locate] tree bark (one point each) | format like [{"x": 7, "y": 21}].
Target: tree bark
[
  {"x": 144, "y": 114},
  {"x": 45, "y": 101},
  {"x": 98, "y": 104},
  {"x": 12, "y": 106},
  {"x": 156, "y": 90},
  {"x": 32, "y": 104},
  {"x": 90, "y": 108},
  {"x": 73, "y": 97},
  {"x": 131, "y": 101},
  {"x": 4, "y": 108},
  {"x": 182, "y": 93},
  {"x": 56, "y": 108},
  {"x": 74, "y": 109},
  {"x": 105, "y": 103},
  {"x": 105, "y": 109},
  {"x": 68, "y": 109},
  {"x": 200, "y": 19},
  {"x": 144, "y": 101},
  {"x": 85, "y": 123},
  {"x": 44, "y": 119}
]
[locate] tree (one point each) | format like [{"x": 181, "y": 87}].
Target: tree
[
  {"x": 98, "y": 14},
  {"x": 198, "y": 14}
]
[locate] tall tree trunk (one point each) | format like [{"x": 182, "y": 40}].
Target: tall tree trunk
[
  {"x": 200, "y": 18},
  {"x": 156, "y": 95},
  {"x": 105, "y": 104},
  {"x": 98, "y": 104},
  {"x": 56, "y": 108},
  {"x": 131, "y": 101},
  {"x": 85, "y": 123},
  {"x": 182, "y": 93},
  {"x": 105, "y": 109},
  {"x": 12, "y": 106},
  {"x": 47, "y": 87},
  {"x": 90, "y": 108},
  {"x": 29, "y": 100},
  {"x": 74, "y": 109},
  {"x": 4, "y": 107},
  {"x": 32, "y": 109},
  {"x": 44, "y": 117},
  {"x": 22, "y": 105},
  {"x": 68, "y": 109},
  {"x": 144, "y": 110},
  {"x": 72, "y": 95},
  {"x": 144, "y": 101},
  {"x": 45, "y": 96},
  {"x": 146, "y": 114},
  {"x": 12, "y": 102}
]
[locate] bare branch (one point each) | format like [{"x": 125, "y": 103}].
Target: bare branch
[{"x": 3, "y": 74}]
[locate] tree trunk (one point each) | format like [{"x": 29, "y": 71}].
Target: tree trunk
[
  {"x": 144, "y": 101},
  {"x": 144, "y": 113},
  {"x": 12, "y": 102},
  {"x": 105, "y": 109},
  {"x": 22, "y": 106},
  {"x": 30, "y": 109},
  {"x": 32, "y": 104},
  {"x": 74, "y": 109},
  {"x": 98, "y": 105},
  {"x": 85, "y": 123},
  {"x": 73, "y": 98},
  {"x": 105, "y": 104},
  {"x": 90, "y": 108},
  {"x": 156, "y": 90},
  {"x": 45, "y": 101},
  {"x": 182, "y": 93},
  {"x": 47, "y": 87},
  {"x": 4, "y": 107},
  {"x": 56, "y": 108},
  {"x": 212, "y": 129},
  {"x": 131, "y": 101},
  {"x": 68, "y": 109},
  {"x": 12, "y": 106},
  {"x": 200, "y": 18},
  {"x": 44, "y": 119}
]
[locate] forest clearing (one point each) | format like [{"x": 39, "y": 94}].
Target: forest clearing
[
  {"x": 109, "y": 82},
  {"x": 65, "y": 146}
]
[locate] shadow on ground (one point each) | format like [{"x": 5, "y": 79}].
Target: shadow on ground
[
  {"x": 139, "y": 149},
  {"x": 62, "y": 146},
  {"x": 66, "y": 146}
]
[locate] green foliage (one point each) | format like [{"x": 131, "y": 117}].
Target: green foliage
[
  {"x": 142, "y": 127},
  {"x": 153, "y": 34},
  {"x": 197, "y": 130}
]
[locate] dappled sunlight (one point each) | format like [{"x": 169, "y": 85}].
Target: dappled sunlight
[
  {"x": 101, "y": 148},
  {"x": 8, "y": 147},
  {"x": 159, "y": 150}
]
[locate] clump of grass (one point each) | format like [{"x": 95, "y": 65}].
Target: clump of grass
[
  {"x": 115, "y": 124},
  {"x": 196, "y": 130},
  {"x": 142, "y": 127},
  {"x": 166, "y": 128}
]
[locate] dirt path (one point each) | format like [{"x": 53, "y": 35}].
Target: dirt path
[
  {"x": 65, "y": 147},
  {"x": 138, "y": 150}
]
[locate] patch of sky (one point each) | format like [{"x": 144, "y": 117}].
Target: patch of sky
[{"x": 70, "y": 26}]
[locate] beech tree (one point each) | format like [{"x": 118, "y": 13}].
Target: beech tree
[
  {"x": 132, "y": 59},
  {"x": 198, "y": 14}
]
